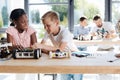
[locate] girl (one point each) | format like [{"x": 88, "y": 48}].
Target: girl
[{"x": 20, "y": 34}]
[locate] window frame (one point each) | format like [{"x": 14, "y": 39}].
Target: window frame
[{"x": 70, "y": 10}]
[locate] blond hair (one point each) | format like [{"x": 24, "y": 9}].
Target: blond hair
[{"x": 52, "y": 15}]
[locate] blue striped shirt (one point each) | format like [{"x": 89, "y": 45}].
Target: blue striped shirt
[{"x": 79, "y": 30}]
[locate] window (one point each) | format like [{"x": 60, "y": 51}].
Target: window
[
  {"x": 48, "y": 1},
  {"x": 36, "y": 11},
  {"x": 6, "y": 7},
  {"x": 116, "y": 14},
  {"x": 88, "y": 8}
]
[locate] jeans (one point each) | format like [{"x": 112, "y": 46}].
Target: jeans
[
  {"x": 82, "y": 48},
  {"x": 71, "y": 77}
]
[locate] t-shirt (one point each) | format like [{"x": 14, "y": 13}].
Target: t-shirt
[
  {"x": 63, "y": 36},
  {"x": 23, "y": 38},
  {"x": 101, "y": 33}
]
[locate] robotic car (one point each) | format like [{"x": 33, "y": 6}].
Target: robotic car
[
  {"x": 59, "y": 54},
  {"x": 27, "y": 53},
  {"x": 4, "y": 51}
]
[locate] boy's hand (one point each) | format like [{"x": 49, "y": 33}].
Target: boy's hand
[{"x": 37, "y": 45}]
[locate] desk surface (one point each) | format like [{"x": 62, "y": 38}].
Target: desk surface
[
  {"x": 98, "y": 42},
  {"x": 97, "y": 62}
]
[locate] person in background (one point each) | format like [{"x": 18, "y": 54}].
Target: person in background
[
  {"x": 81, "y": 32},
  {"x": 81, "y": 29},
  {"x": 105, "y": 29},
  {"x": 102, "y": 31},
  {"x": 118, "y": 28},
  {"x": 60, "y": 37},
  {"x": 19, "y": 33}
]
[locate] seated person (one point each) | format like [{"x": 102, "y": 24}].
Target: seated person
[
  {"x": 60, "y": 37},
  {"x": 103, "y": 31},
  {"x": 20, "y": 34},
  {"x": 81, "y": 32}
]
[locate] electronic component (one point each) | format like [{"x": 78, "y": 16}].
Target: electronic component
[
  {"x": 27, "y": 53},
  {"x": 59, "y": 54},
  {"x": 4, "y": 51}
]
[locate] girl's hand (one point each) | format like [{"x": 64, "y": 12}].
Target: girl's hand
[{"x": 19, "y": 47}]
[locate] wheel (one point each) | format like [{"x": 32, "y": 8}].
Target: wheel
[
  {"x": 37, "y": 53},
  {"x": 14, "y": 54},
  {"x": 40, "y": 53}
]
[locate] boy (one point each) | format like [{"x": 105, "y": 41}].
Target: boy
[
  {"x": 82, "y": 28},
  {"x": 60, "y": 37},
  {"x": 81, "y": 32}
]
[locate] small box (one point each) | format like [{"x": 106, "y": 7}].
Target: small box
[{"x": 27, "y": 53}]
